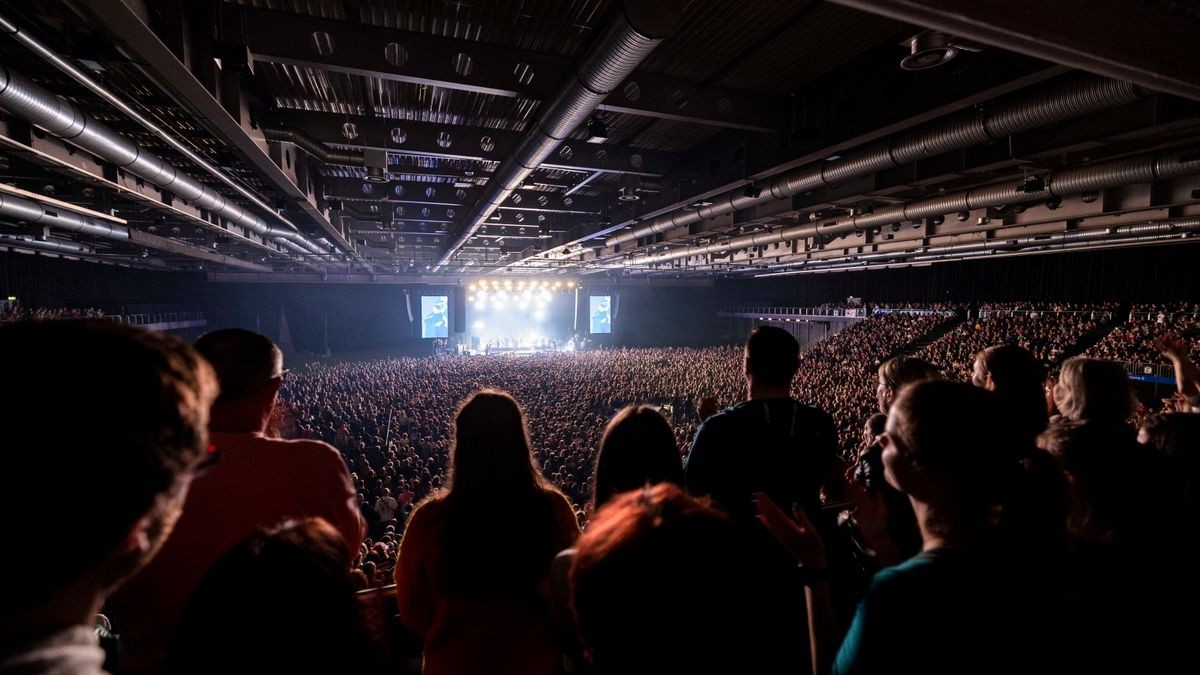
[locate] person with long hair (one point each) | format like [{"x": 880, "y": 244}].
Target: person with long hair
[
  {"x": 1094, "y": 390},
  {"x": 637, "y": 449},
  {"x": 471, "y": 575}
]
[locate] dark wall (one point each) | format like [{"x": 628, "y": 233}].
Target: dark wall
[
  {"x": 662, "y": 315},
  {"x": 357, "y": 316},
  {"x": 371, "y": 316},
  {"x": 39, "y": 281},
  {"x": 1157, "y": 273}
]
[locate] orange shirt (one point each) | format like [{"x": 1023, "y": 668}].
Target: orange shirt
[
  {"x": 255, "y": 482},
  {"x": 498, "y": 635}
]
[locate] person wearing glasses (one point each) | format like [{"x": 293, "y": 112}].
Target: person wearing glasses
[{"x": 250, "y": 481}]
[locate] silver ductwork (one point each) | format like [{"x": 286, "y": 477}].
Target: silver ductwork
[
  {"x": 1101, "y": 238},
  {"x": 632, "y": 34},
  {"x": 1049, "y": 105},
  {"x": 1125, "y": 171},
  {"x": 1136, "y": 232},
  {"x": 29, "y": 211},
  {"x": 56, "y": 115},
  {"x": 314, "y": 147},
  {"x": 53, "y": 245},
  {"x": 13, "y": 31}
]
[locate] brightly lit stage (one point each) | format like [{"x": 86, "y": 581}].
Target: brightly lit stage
[{"x": 520, "y": 317}]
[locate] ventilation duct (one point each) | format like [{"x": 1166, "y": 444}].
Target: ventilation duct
[
  {"x": 32, "y": 212},
  {"x": 1137, "y": 232},
  {"x": 39, "y": 107},
  {"x": 1126, "y": 171},
  {"x": 1049, "y": 105},
  {"x": 315, "y": 147},
  {"x": 26, "y": 241},
  {"x": 631, "y": 35}
]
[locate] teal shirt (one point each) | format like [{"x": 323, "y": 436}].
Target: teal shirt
[{"x": 944, "y": 611}]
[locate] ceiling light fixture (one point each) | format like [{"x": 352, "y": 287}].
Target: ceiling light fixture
[{"x": 597, "y": 131}]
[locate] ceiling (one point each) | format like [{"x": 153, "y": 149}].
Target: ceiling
[{"x": 373, "y": 132}]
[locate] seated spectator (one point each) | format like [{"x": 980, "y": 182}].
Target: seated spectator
[
  {"x": 661, "y": 583},
  {"x": 251, "y": 482},
  {"x": 471, "y": 576},
  {"x": 282, "y": 601},
  {"x": 116, "y": 417},
  {"x": 1093, "y": 390}
]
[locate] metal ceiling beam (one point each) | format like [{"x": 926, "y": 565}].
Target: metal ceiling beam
[
  {"x": 447, "y": 141},
  {"x": 352, "y": 189},
  {"x": 935, "y": 95},
  {"x": 1146, "y": 43},
  {"x": 438, "y": 61},
  {"x": 125, "y": 21}
]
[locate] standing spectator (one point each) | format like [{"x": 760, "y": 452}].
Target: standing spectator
[
  {"x": 253, "y": 482},
  {"x": 385, "y": 507},
  {"x": 120, "y": 416},
  {"x": 774, "y": 445},
  {"x": 474, "y": 561},
  {"x": 1015, "y": 376},
  {"x": 1093, "y": 390}
]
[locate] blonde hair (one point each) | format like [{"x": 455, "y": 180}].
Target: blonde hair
[{"x": 1094, "y": 389}]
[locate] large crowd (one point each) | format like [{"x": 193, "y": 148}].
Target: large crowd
[
  {"x": 17, "y": 312},
  {"x": 1048, "y": 332},
  {"x": 1133, "y": 340},
  {"x": 861, "y": 506}
]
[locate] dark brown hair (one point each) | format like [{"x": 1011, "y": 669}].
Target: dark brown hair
[{"x": 100, "y": 419}]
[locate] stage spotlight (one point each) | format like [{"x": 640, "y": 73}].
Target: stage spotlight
[
  {"x": 570, "y": 284},
  {"x": 539, "y": 314},
  {"x": 478, "y": 325},
  {"x": 471, "y": 298}
]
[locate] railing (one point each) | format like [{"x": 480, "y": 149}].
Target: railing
[
  {"x": 1166, "y": 316},
  {"x": 1161, "y": 373},
  {"x": 848, "y": 312},
  {"x": 151, "y": 319},
  {"x": 1095, "y": 314},
  {"x": 914, "y": 311}
]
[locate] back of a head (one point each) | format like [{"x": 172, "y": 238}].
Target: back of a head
[
  {"x": 1018, "y": 379},
  {"x": 635, "y": 579},
  {"x": 638, "y": 448},
  {"x": 497, "y": 503},
  {"x": 101, "y": 419},
  {"x": 772, "y": 356},
  {"x": 900, "y": 371},
  {"x": 964, "y": 435},
  {"x": 282, "y": 600},
  {"x": 491, "y": 449},
  {"x": 1094, "y": 390},
  {"x": 1107, "y": 468},
  {"x": 244, "y": 361}
]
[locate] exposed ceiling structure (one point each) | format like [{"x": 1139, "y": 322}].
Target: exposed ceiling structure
[{"x": 396, "y": 140}]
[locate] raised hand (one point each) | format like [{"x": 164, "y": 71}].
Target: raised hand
[{"x": 797, "y": 535}]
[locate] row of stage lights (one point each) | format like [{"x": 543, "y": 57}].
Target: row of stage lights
[
  {"x": 522, "y": 294},
  {"x": 521, "y": 285}
]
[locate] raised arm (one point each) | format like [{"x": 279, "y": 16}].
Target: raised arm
[{"x": 800, "y": 538}]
